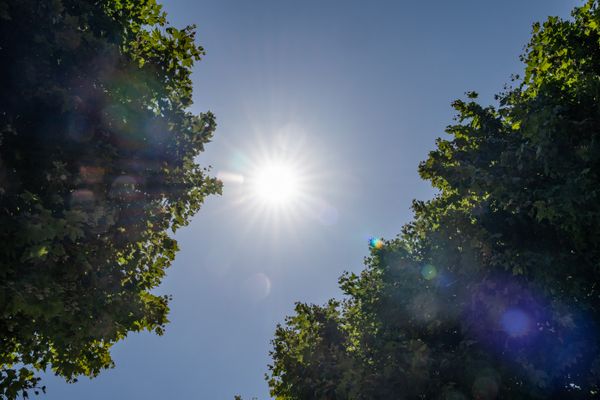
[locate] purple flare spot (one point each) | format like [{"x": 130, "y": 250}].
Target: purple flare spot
[{"x": 515, "y": 322}]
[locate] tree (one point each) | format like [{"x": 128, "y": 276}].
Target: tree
[
  {"x": 97, "y": 167},
  {"x": 492, "y": 290}
]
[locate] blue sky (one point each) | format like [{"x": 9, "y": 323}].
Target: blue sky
[{"x": 355, "y": 92}]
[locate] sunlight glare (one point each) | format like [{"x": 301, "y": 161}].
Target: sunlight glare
[
  {"x": 276, "y": 184},
  {"x": 282, "y": 189}
]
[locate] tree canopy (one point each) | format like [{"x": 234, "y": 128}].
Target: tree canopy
[
  {"x": 97, "y": 168},
  {"x": 492, "y": 290}
]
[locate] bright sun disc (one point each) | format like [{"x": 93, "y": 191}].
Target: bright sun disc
[{"x": 276, "y": 184}]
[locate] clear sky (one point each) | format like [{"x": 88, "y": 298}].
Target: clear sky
[{"x": 353, "y": 95}]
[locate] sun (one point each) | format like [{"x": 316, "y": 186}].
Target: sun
[{"x": 276, "y": 184}]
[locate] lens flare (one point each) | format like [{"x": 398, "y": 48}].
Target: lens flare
[
  {"x": 375, "y": 243},
  {"x": 515, "y": 322},
  {"x": 325, "y": 213},
  {"x": 230, "y": 177},
  {"x": 257, "y": 287},
  {"x": 428, "y": 272},
  {"x": 485, "y": 387},
  {"x": 82, "y": 198}
]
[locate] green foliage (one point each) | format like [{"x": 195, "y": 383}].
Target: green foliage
[
  {"x": 492, "y": 290},
  {"x": 97, "y": 166}
]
